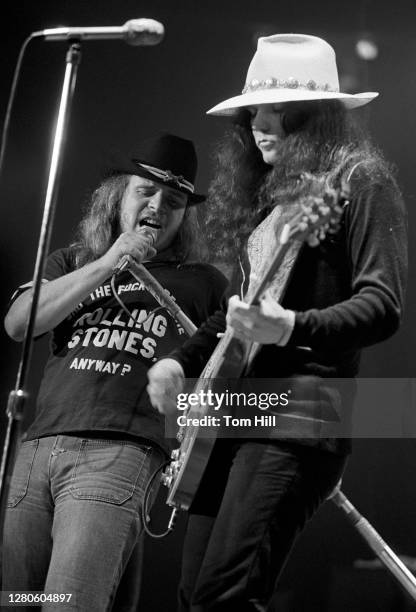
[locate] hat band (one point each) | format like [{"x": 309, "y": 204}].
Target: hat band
[
  {"x": 168, "y": 177},
  {"x": 290, "y": 83}
]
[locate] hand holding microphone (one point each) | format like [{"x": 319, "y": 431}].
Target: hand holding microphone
[{"x": 138, "y": 244}]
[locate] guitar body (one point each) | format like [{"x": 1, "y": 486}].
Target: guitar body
[
  {"x": 197, "y": 442},
  {"x": 188, "y": 476}
]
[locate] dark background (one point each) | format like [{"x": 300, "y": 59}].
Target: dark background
[{"x": 125, "y": 93}]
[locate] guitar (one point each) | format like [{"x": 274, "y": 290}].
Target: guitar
[{"x": 315, "y": 215}]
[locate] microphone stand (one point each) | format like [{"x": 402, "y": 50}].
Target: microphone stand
[
  {"x": 18, "y": 396},
  {"x": 376, "y": 542}
]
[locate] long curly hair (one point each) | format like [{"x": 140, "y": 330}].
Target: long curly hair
[
  {"x": 99, "y": 227},
  {"x": 321, "y": 139}
]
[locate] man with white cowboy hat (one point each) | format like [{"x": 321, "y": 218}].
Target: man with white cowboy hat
[
  {"x": 293, "y": 141},
  {"x": 74, "y": 522}
]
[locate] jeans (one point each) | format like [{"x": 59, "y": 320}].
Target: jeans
[
  {"x": 254, "y": 498},
  {"x": 73, "y": 521}
]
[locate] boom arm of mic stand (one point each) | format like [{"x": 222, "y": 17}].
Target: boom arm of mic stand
[
  {"x": 376, "y": 543},
  {"x": 160, "y": 294}
]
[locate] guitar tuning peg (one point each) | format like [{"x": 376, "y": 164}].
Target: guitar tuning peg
[
  {"x": 312, "y": 240},
  {"x": 322, "y": 233}
]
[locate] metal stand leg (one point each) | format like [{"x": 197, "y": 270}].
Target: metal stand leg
[{"x": 376, "y": 543}]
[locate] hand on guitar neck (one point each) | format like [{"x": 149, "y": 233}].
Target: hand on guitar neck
[
  {"x": 267, "y": 323},
  {"x": 166, "y": 380}
]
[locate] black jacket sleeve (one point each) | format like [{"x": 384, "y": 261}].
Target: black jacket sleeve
[{"x": 376, "y": 246}]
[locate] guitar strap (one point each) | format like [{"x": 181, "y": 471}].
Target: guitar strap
[{"x": 262, "y": 246}]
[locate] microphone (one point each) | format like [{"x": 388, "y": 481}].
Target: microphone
[
  {"x": 124, "y": 261},
  {"x": 137, "y": 32}
]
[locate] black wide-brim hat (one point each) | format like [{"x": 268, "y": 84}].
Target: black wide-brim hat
[{"x": 166, "y": 158}]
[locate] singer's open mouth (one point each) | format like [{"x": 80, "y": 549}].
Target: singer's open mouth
[{"x": 150, "y": 223}]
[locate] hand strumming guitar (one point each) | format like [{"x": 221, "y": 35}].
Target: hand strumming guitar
[{"x": 166, "y": 380}]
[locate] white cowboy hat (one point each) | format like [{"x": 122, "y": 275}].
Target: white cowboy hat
[{"x": 291, "y": 68}]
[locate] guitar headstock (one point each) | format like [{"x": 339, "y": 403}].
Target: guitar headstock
[{"x": 320, "y": 211}]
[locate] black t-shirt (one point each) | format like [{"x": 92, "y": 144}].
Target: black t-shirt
[{"x": 95, "y": 378}]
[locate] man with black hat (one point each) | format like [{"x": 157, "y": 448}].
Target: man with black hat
[{"x": 73, "y": 520}]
